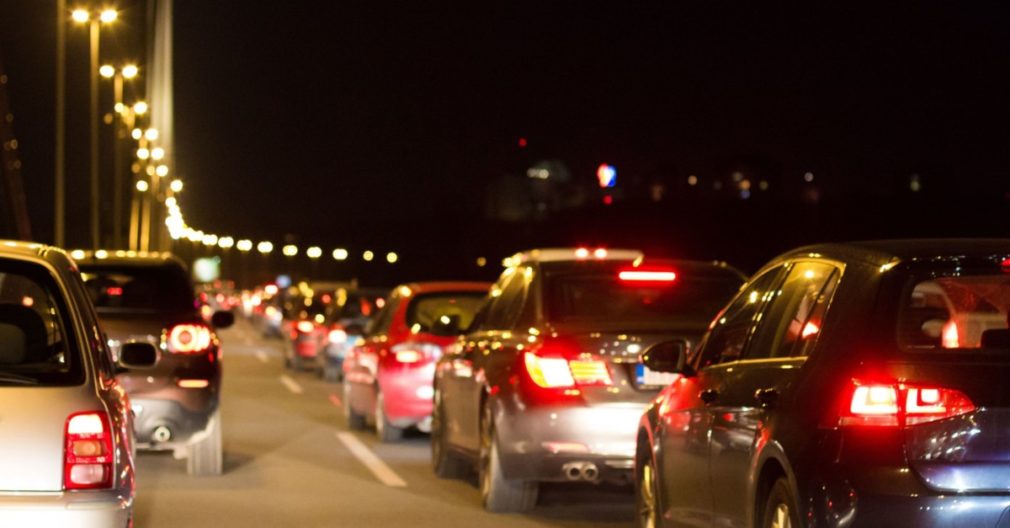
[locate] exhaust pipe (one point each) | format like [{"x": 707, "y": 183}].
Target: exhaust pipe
[
  {"x": 161, "y": 434},
  {"x": 572, "y": 470},
  {"x": 590, "y": 472}
]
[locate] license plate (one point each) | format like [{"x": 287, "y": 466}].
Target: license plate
[{"x": 645, "y": 377}]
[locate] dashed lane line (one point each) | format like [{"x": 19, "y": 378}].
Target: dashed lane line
[
  {"x": 335, "y": 400},
  {"x": 291, "y": 384},
  {"x": 382, "y": 472}
]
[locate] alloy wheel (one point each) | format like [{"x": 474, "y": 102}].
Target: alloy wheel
[
  {"x": 782, "y": 517},
  {"x": 647, "y": 498}
]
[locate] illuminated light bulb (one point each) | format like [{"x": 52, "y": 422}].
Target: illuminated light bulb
[
  {"x": 130, "y": 71},
  {"x": 142, "y": 186},
  {"x": 340, "y": 254},
  {"x": 176, "y": 186},
  {"x": 107, "y": 71}
]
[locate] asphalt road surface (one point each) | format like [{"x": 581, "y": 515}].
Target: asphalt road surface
[{"x": 291, "y": 461}]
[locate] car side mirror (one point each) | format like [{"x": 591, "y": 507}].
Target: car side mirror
[
  {"x": 667, "y": 356},
  {"x": 446, "y": 325},
  {"x": 137, "y": 355},
  {"x": 222, "y": 319}
]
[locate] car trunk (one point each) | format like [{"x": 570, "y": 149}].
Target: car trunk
[
  {"x": 631, "y": 382},
  {"x": 32, "y": 434},
  {"x": 143, "y": 327},
  {"x": 969, "y": 452}
]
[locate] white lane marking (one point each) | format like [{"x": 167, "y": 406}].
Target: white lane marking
[
  {"x": 384, "y": 473},
  {"x": 262, "y": 356},
  {"x": 291, "y": 384}
]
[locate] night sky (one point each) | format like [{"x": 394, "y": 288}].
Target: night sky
[{"x": 353, "y": 121}]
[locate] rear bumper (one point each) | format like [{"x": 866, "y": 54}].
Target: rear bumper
[
  {"x": 537, "y": 443},
  {"x": 407, "y": 392},
  {"x": 183, "y": 423},
  {"x": 91, "y": 509},
  {"x": 950, "y": 511}
]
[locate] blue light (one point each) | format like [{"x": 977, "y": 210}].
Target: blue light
[{"x": 607, "y": 175}]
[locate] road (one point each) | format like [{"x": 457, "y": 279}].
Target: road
[{"x": 291, "y": 461}]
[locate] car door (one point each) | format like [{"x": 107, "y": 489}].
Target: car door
[
  {"x": 484, "y": 350},
  {"x": 752, "y": 387},
  {"x": 685, "y": 419},
  {"x": 362, "y": 364}
]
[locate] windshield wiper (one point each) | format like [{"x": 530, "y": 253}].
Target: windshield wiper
[{"x": 16, "y": 379}]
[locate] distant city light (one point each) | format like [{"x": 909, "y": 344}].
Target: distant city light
[
  {"x": 161, "y": 170},
  {"x": 108, "y": 15},
  {"x": 107, "y": 71},
  {"x": 523, "y": 142},
  {"x": 481, "y": 262},
  {"x": 137, "y": 133},
  {"x": 340, "y": 254},
  {"x": 692, "y": 180},
  {"x": 80, "y": 16},
  {"x": 392, "y": 257},
  {"x": 176, "y": 186},
  {"x": 314, "y": 252},
  {"x": 151, "y": 134},
  {"x": 265, "y": 247},
  {"x": 142, "y": 185},
  {"x": 368, "y": 256},
  {"x": 140, "y": 108},
  {"x": 130, "y": 71},
  {"x": 226, "y": 242},
  {"x": 143, "y": 153},
  {"x": 290, "y": 250},
  {"x": 808, "y": 177},
  {"x": 915, "y": 183},
  {"x": 607, "y": 175},
  {"x": 244, "y": 245}
]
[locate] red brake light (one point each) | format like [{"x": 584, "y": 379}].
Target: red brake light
[
  {"x": 409, "y": 356},
  {"x": 553, "y": 372},
  {"x": 893, "y": 405},
  {"x": 950, "y": 337},
  {"x": 648, "y": 275},
  {"x": 87, "y": 456},
  {"x": 306, "y": 327},
  {"x": 189, "y": 338},
  {"x": 1006, "y": 265},
  {"x": 114, "y": 291}
]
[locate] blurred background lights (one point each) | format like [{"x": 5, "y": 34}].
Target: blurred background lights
[
  {"x": 340, "y": 254},
  {"x": 368, "y": 256}
]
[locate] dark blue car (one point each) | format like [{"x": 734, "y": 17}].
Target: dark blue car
[{"x": 860, "y": 384}]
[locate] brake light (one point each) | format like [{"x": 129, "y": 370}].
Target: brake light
[
  {"x": 582, "y": 253},
  {"x": 562, "y": 373},
  {"x": 337, "y": 336},
  {"x": 305, "y": 327},
  {"x": 409, "y": 356},
  {"x": 949, "y": 337},
  {"x": 114, "y": 291},
  {"x": 647, "y": 276},
  {"x": 900, "y": 404},
  {"x": 189, "y": 338},
  {"x": 87, "y": 462},
  {"x": 412, "y": 352},
  {"x": 1006, "y": 265}
]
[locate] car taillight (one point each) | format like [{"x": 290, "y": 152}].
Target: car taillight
[
  {"x": 189, "y": 338},
  {"x": 337, "y": 336},
  {"x": 949, "y": 337},
  {"x": 408, "y": 353},
  {"x": 305, "y": 327},
  {"x": 88, "y": 456},
  {"x": 901, "y": 404},
  {"x": 647, "y": 276},
  {"x": 561, "y": 373}
]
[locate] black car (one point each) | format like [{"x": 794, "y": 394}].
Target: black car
[
  {"x": 548, "y": 384},
  {"x": 150, "y": 298},
  {"x": 859, "y": 384}
]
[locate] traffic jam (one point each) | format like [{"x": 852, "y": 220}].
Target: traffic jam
[{"x": 505, "y": 264}]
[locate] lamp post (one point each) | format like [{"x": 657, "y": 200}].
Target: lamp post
[
  {"x": 94, "y": 21},
  {"x": 128, "y": 71}
]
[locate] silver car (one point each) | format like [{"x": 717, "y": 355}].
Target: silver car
[
  {"x": 548, "y": 384},
  {"x": 66, "y": 430}
]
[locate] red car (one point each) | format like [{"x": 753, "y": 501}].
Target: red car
[{"x": 388, "y": 378}]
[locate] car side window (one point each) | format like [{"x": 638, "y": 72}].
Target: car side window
[
  {"x": 731, "y": 330},
  {"x": 382, "y": 321},
  {"x": 509, "y": 302},
  {"x": 794, "y": 320}
]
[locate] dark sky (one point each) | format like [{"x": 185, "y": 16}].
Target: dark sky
[{"x": 343, "y": 120}]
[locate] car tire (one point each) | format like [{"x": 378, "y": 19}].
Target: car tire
[
  {"x": 444, "y": 462},
  {"x": 331, "y": 373},
  {"x": 780, "y": 509},
  {"x": 295, "y": 363},
  {"x": 355, "y": 420},
  {"x": 206, "y": 455},
  {"x": 388, "y": 433},
  {"x": 501, "y": 495},
  {"x": 647, "y": 492}
]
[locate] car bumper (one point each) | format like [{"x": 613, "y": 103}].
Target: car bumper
[
  {"x": 152, "y": 416},
  {"x": 408, "y": 395},
  {"x": 543, "y": 443},
  {"x": 91, "y": 509}
]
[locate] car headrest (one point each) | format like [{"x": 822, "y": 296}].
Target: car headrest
[
  {"x": 996, "y": 338},
  {"x": 22, "y": 334}
]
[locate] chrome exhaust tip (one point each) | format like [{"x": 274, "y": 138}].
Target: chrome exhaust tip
[
  {"x": 590, "y": 472},
  {"x": 161, "y": 434},
  {"x": 572, "y": 470}
]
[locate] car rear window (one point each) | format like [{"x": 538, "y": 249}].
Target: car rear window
[
  {"x": 119, "y": 288},
  {"x": 955, "y": 312},
  {"x": 427, "y": 307},
  {"x": 36, "y": 341},
  {"x": 600, "y": 296}
]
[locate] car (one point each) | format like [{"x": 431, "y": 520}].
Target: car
[
  {"x": 547, "y": 385},
  {"x": 150, "y": 298},
  {"x": 846, "y": 385},
  {"x": 347, "y": 316},
  {"x": 304, "y": 326},
  {"x": 388, "y": 377},
  {"x": 66, "y": 430}
]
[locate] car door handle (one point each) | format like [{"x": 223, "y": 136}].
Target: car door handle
[
  {"x": 708, "y": 395},
  {"x": 767, "y": 397}
]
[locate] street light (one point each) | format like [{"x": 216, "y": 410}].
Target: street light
[
  {"x": 82, "y": 16},
  {"x": 290, "y": 250},
  {"x": 265, "y": 247},
  {"x": 127, "y": 71},
  {"x": 226, "y": 242},
  {"x": 157, "y": 153},
  {"x": 176, "y": 186},
  {"x": 340, "y": 254},
  {"x": 140, "y": 108},
  {"x": 245, "y": 245},
  {"x": 161, "y": 171},
  {"x": 392, "y": 257},
  {"x": 142, "y": 185},
  {"x": 314, "y": 252},
  {"x": 368, "y": 256}
]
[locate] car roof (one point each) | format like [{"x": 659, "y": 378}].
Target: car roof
[
  {"x": 681, "y": 265},
  {"x": 24, "y": 250},
  {"x": 442, "y": 286},
  {"x": 880, "y": 252},
  {"x": 565, "y": 254},
  {"x": 125, "y": 258}
]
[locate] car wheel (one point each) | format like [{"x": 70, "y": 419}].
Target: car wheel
[
  {"x": 443, "y": 461},
  {"x": 206, "y": 454},
  {"x": 387, "y": 432},
  {"x": 355, "y": 420},
  {"x": 646, "y": 495},
  {"x": 500, "y": 495},
  {"x": 780, "y": 509},
  {"x": 331, "y": 373}
]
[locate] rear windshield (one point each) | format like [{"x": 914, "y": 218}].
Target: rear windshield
[
  {"x": 426, "y": 308},
  {"x": 138, "y": 288},
  {"x": 966, "y": 311},
  {"x": 590, "y": 297},
  {"x": 36, "y": 343}
]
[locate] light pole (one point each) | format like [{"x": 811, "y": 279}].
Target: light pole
[
  {"x": 128, "y": 71},
  {"x": 94, "y": 21},
  {"x": 61, "y": 109}
]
